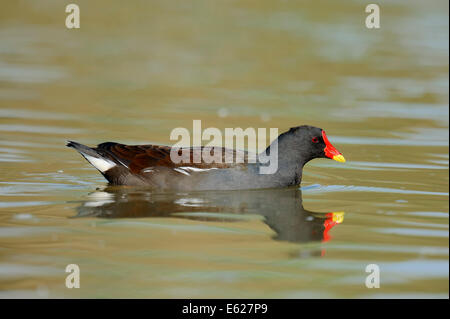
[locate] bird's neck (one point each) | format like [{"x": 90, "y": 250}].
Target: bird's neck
[{"x": 285, "y": 165}]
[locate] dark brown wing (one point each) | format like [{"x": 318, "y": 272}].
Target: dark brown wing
[{"x": 139, "y": 157}]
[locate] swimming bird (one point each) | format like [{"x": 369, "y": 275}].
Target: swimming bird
[{"x": 153, "y": 166}]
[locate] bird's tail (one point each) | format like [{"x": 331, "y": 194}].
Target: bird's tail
[
  {"x": 83, "y": 149},
  {"x": 92, "y": 156}
]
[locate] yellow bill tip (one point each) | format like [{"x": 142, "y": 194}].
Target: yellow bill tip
[
  {"x": 338, "y": 217},
  {"x": 339, "y": 158}
]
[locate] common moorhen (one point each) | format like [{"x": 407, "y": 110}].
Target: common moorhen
[{"x": 151, "y": 165}]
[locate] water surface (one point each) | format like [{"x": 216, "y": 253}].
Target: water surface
[{"x": 132, "y": 73}]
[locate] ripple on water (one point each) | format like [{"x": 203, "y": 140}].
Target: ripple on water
[
  {"x": 33, "y": 114},
  {"x": 40, "y": 129},
  {"x": 414, "y": 232},
  {"x": 429, "y": 214},
  {"x": 387, "y": 141},
  {"x": 23, "y": 204},
  {"x": 317, "y": 188},
  {"x": 24, "y": 231},
  {"x": 30, "y": 74},
  {"x": 35, "y": 189}
]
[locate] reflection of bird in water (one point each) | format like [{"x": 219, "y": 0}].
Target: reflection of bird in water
[{"x": 281, "y": 209}]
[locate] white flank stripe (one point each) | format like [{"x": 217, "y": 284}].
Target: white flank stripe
[
  {"x": 100, "y": 163},
  {"x": 196, "y": 169},
  {"x": 179, "y": 170}
]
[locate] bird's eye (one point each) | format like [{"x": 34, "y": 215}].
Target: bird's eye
[{"x": 315, "y": 140}]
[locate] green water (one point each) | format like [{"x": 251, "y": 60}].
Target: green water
[{"x": 133, "y": 72}]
